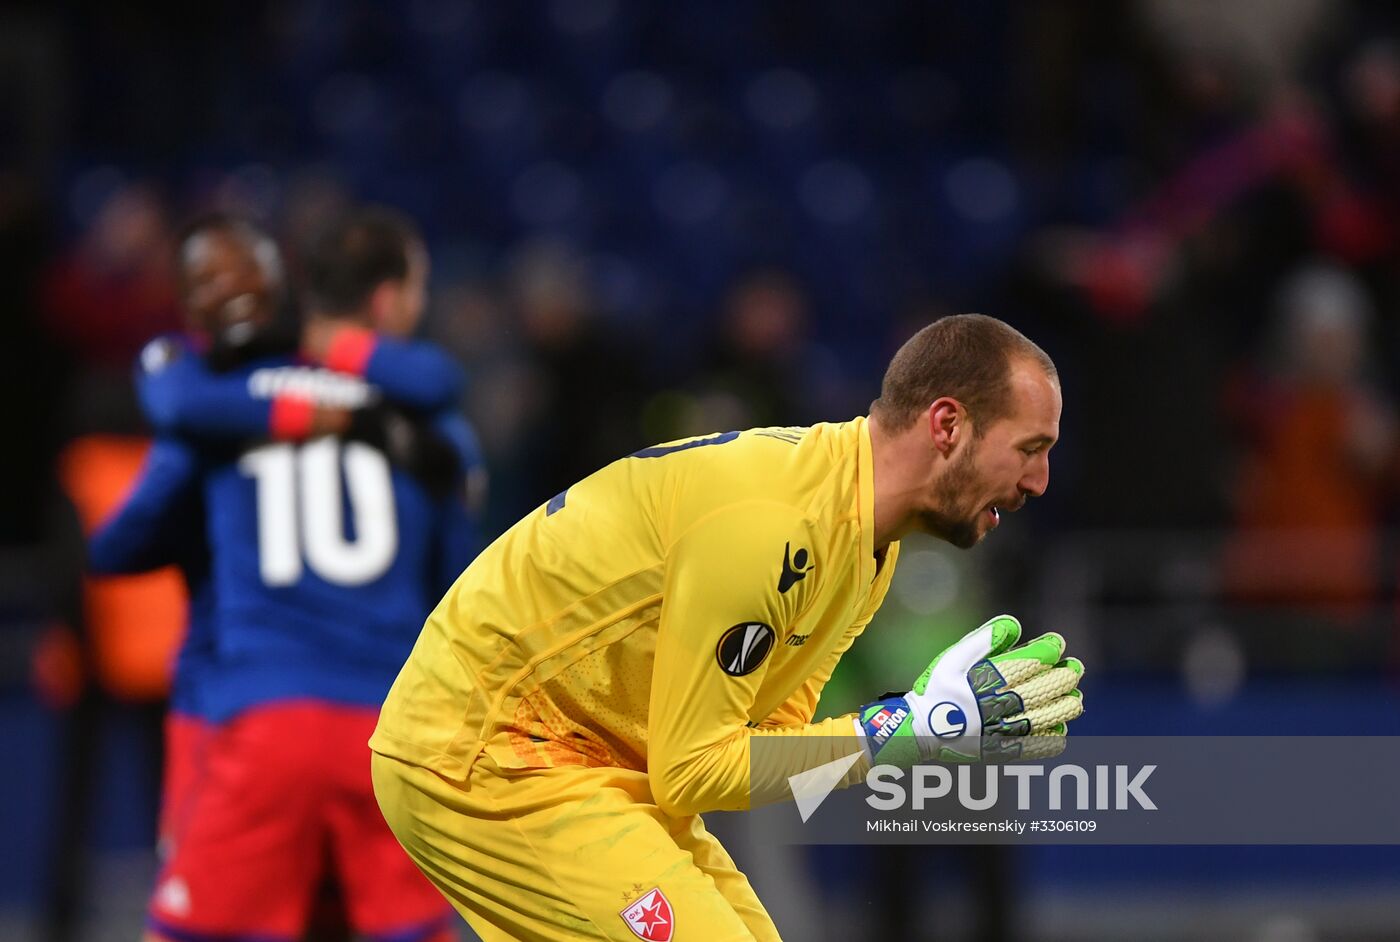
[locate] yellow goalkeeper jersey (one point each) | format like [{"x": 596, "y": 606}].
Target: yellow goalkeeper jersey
[{"x": 659, "y": 615}]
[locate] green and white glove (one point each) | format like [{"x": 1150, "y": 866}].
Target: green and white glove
[{"x": 980, "y": 700}]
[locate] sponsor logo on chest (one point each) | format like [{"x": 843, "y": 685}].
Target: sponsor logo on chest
[{"x": 321, "y": 386}]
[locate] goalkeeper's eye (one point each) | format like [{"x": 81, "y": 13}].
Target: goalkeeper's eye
[{"x": 1036, "y": 446}]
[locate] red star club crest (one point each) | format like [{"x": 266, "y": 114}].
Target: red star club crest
[{"x": 650, "y": 917}]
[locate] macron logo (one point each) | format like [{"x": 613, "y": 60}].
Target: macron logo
[
  {"x": 795, "y": 568},
  {"x": 810, "y": 788}
]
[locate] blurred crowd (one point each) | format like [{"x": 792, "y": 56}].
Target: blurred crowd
[
  {"x": 652, "y": 223},
  {"x": 644, "y": 228}
]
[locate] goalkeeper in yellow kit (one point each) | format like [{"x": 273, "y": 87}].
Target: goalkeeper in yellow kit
[{"x": 595, "y": 679}]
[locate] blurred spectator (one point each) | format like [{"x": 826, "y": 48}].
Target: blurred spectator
[
  {"x": 1372, "y": 100},
  {"x": 762, "y": 368},
  {"x": 587, "y": 385},
  {"x": 473, "y": 324},
  {"x": 1369, "y": 137},
  {"x": 115, "y": 289},
  {"x": 1319, "y": 435},
  {"x": 1247, "y": 45},
  {"x": 311, "y": 202}
]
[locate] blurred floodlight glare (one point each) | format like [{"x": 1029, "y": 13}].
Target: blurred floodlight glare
[
  {"x": 781, "y": 99},
  {"x": 1213, "y": 667},
  {"x": 981, "y": 189},
  {"x": 637, "y": 101},
  {"x": 546, "y": 193},
  {"x": 690, "y": 193},
  {"x": 1286, "y": 927},
  {"x": 926, "y": 581},
  {"x": 582, "y": 16},
  {"x": 620, "y": 285},
  {"x": 253, "y": 190},
  {"x": 492, "y": 102},
  {"x": 836, "y": 192},
  {"x": 439, "y": 17},
  {"x": 347, "y": 104},
  {"x": 922, "y": 98}
]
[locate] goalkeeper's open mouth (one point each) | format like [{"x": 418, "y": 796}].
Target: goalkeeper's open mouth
[{"x": 994, "y": 511}]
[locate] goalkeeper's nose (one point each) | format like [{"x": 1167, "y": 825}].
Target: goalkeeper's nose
[{"x": 1036, "y": 479}]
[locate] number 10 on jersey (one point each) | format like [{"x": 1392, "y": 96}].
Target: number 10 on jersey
[{"x": 300, "y": 518}]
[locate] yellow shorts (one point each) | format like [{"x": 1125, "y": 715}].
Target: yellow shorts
[{"x": 567, "y": 854}]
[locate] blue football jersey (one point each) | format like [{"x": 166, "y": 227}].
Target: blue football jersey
[
  {"x": 181, "y": 395},
  {"x": 326, "y": 558},
  {"x": 323, "y": 558}
]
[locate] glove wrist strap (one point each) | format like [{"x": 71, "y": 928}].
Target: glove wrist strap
[{"x": 876, "y": 722}]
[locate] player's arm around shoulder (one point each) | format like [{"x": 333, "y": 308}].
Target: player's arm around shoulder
[
  {"x": 180, "y": 395},
  {"x": 724, "y": 606},
  {"x": 417, "y": 374}
]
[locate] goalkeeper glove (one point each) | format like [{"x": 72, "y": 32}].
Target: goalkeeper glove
[{"x": 980, "y": 700}]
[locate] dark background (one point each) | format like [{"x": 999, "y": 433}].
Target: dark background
[{"x": 656, "y": 220}]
